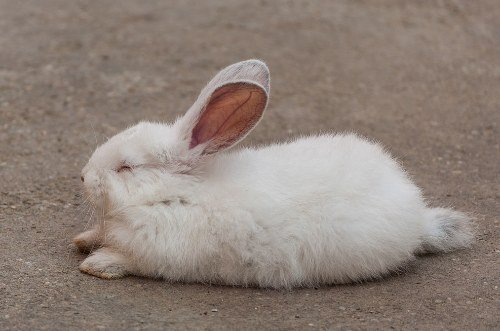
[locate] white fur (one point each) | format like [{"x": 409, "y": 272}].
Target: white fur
[{"x": 319, "y": 210}]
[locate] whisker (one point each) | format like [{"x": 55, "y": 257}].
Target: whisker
[
  {"x": 90, "y": 219},
  {"x": 86, "y": 203},
  {"x": 94, "y": 241},
  {"x": 103, "y": 217},
  {"x": 84, "y": 208}
]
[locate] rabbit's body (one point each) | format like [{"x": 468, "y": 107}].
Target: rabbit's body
[{"x": 319, "y": 210}]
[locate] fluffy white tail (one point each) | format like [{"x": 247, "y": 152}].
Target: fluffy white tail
[{"x": 447, "y": 230}]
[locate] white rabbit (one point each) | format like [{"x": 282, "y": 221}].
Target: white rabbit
[{"x": 324, "y": 209}]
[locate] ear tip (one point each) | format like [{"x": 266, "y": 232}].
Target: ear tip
[
  {"x": 261, "y": 69},
  {"x": 258, "y": 64},
  {"x": 252, "y": 70}
]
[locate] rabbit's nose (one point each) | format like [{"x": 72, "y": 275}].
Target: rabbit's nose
[{"x": 82, "y": 178}]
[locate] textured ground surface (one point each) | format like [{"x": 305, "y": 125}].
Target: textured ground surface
[{"x": 423, "y": 77}]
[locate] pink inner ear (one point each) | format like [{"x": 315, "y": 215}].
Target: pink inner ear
[{"x": 232, "y": 111}]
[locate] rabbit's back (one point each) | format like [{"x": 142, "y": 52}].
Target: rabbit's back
[{"x": 312, "y": 170}]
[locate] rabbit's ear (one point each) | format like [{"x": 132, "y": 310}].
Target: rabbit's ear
[
  {"x": 228, "y": 108},
  {"x": 231, "y": 112}
]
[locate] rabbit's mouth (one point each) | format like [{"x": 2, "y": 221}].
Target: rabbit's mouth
[
  {"x": 94, "y": 186},
  {"x": 93, "y": 195}
]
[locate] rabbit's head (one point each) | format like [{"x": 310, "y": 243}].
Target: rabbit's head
[{"x": 139, "y": 158}]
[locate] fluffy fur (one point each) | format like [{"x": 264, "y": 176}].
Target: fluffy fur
[{"x": 325, "y": 209}]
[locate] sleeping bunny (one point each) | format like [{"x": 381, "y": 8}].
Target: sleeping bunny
[{"x": 174, "y": 203}]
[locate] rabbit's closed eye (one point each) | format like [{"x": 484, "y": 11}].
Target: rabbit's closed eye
[{"x": 124, "y": 167}]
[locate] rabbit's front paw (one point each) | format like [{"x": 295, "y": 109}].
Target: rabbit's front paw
[
  {"x": 105, "y": 263},
  {"x": 87, "y": 241}
]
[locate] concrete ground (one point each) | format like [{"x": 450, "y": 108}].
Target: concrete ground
[{"x": 423, "y": 77}]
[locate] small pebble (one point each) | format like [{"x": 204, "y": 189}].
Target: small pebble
[{"x": 215, "y": 310}]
